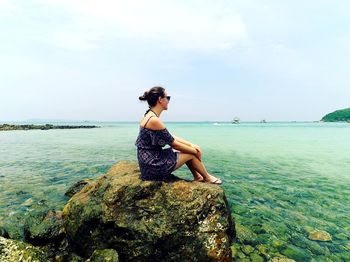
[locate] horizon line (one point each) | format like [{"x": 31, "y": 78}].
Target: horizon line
[{"x": 132, "y": 121}]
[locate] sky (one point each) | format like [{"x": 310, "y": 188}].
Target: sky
[{"x": 252, "y": 59}]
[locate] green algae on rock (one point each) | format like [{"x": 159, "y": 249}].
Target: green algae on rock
[
  {"x": 149, "y": 220},
  {"x": 14, "y": 251}
]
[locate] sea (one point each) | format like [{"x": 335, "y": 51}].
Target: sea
[{"x": 283, "y": 180}]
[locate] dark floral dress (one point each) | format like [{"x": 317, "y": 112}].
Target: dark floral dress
[{"x": 155, "y": 162}]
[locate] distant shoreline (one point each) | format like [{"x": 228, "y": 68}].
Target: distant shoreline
[{"x": 8, "y": 127}]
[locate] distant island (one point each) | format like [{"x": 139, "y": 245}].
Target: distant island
[
  {"x": 342, "y": 115},
  {"x": 7, "y": 127}
]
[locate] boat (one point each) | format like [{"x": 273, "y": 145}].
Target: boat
[
  {"x": 236, "y": 120},
  {"x": 263, "y": 121}
]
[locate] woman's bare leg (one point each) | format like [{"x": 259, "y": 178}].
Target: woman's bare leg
[
  {"x": 195, "y": 164},
  {"x": 197, "y": 176},
  {"x": 198, "y": 166}
]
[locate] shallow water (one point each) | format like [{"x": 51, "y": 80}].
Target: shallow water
[{"x": 282, "y": 180}]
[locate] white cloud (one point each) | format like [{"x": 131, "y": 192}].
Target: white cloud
[{"x": 184, "y": 25}]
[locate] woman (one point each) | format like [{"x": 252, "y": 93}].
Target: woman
[{"x": 157, "y": 163}]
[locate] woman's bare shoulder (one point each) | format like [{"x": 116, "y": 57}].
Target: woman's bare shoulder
[{"x": 155, "y": 123}]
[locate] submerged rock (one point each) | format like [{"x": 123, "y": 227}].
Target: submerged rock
[
  {"x": 281, "y": 258},
  {"x": 247, "y": 249},
  {"x": 254, "y": 257},
  {"x": 234, "y": 249},
  {"x": 12, "y": 250},
  {"x": 320, "y": 235},
  {"x": 263, "y": 251},
  {"x": 348, "y": 246},
  {"x": 245, "y": 235},
  {"x": 297, "y": 253},
  {"x": 28, "y": 202},
  {"x": 148, "y": 220}
]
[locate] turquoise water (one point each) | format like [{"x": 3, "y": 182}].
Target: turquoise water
[{"x": 282, "y": 180}]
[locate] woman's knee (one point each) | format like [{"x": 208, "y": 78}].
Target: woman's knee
[
  {"x": 188, "y": 157},
  {"x": 183, "y": 158}
]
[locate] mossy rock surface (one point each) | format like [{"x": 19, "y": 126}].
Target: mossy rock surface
[
  {"x": 149, "y": 220},
  {"x": 14, "y": 251},
  {"x": 77, "y": 187},
  {"x": 43, "y": 226},
  {"x": 104, "y": 255}
]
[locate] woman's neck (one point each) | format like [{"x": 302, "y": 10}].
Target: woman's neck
[{"x": 157, "y": 110}]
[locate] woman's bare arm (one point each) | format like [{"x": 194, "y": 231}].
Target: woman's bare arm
[
  {"x": 182, "y": 140},
  {"x": 189, "y": 144},
  {"x": 183, "y": 147}
]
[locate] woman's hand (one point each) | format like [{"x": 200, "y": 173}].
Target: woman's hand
[{"x": 199, "y": 151}]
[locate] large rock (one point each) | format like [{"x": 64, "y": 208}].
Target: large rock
[{"x": 149, "y": 221}]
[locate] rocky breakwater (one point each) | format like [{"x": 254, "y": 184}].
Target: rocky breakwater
[
  {"x": 149, "y": 220},
  {"x": 7, "y": 127}
]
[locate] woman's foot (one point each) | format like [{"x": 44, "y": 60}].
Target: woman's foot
[
  {"x": 198, "y": 178},
  {"x": 213, "y": 180}
]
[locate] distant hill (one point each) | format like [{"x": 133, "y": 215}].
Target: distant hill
[{"x": 338, "y": 116}]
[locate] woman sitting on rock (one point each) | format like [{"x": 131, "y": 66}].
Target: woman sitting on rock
[{"x": 155, "y": 162}]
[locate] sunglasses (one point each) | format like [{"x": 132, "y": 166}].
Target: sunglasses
[{"x": 168, "y": 97}]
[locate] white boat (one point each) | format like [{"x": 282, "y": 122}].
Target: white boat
[{"x": 236, "y": 120}]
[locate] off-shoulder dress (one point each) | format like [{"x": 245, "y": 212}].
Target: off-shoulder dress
[{"x": 155, "y": 162}]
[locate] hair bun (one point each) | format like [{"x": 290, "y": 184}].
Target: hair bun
[{"x": 144, "y": 96}]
